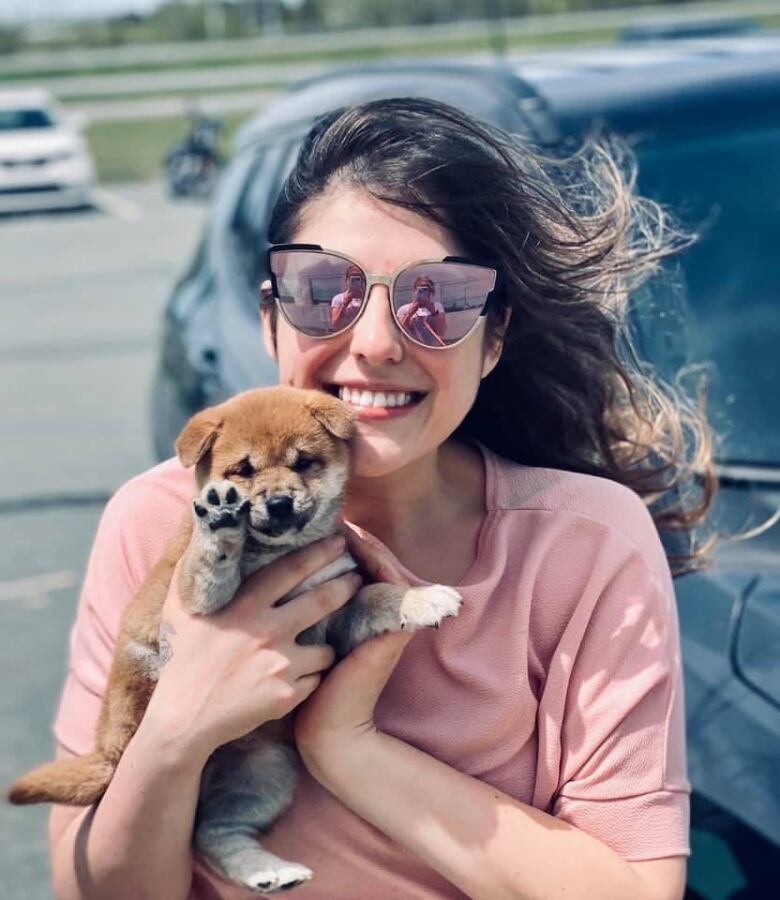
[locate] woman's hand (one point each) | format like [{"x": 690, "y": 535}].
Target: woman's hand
[
  {"x": 225, "y": 674},
  {"x": 341, "y": 712}
]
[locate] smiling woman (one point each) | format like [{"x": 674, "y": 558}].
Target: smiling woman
[
  {"x": 374, "y": 353},
  {"x": 564, "y": 262},
  {"x": 469, "y": 309}
]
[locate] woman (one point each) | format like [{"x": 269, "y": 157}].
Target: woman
[
  {"x": 424, "y": 317},
  {"x": 345, "y": 305},
  {"x": 533, "y": 746}
]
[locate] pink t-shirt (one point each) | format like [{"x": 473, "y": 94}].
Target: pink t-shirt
[{"x": 559, "y": 683}]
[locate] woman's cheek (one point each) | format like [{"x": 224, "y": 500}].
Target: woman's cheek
[{"x": 300, "y": 358}]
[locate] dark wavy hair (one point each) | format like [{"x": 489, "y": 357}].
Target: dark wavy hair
[{"x": 572, "y": 242}]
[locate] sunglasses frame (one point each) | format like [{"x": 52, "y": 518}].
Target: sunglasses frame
[{"x": 387, "y": 280}]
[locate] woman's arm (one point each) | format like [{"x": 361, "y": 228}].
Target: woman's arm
[
  {"x": 406, "y": 316},
  {"x": 338, "y": 308},
  {"x": 136, "y": 841},
  {"x": 486, "y": 843},
  {"x": 225, "y": 675}
]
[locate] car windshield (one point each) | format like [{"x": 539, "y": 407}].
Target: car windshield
[
  {"x": 727, "y": 187},
  {"x": 22, "y": 119}
]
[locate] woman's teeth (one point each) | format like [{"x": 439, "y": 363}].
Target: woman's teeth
[{"x": 374, "y": 398}]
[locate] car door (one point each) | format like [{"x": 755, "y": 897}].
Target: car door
[{"x": 719, "y": 314}]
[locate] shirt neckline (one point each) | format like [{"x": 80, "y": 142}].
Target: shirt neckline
[{"x": 474, "y": 574}]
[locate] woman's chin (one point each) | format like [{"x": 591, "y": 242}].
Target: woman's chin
[{"x": 373, "y": 457}]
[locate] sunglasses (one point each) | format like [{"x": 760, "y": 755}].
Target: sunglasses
[{"x": 435, "y": 303}]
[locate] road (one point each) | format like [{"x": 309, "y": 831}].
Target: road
[{"x": 82, "y": 295}]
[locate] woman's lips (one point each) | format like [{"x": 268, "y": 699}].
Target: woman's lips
[
  {"x": 377, "y": 402},
  {"x": 382, "y": 413}
]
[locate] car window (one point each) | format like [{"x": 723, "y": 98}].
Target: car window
[
  {"x": 727, "y": 186},
  {"x": 250, "y": 221},
  {"x": 20, "y": 119}
]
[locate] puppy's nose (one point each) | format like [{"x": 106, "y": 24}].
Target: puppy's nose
[{"x": 279, "y": 507}]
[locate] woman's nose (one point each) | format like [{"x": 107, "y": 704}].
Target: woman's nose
[{"x": 375, "y": 336}]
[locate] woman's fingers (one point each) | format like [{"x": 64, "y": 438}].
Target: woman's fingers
[
  {"x": 280, "y": 577},
  {"x": 305, "y": 686},
  {"x": 378, "y": 564},
  {"x": 313, "y": 605},
  {"x": 314, "y": 659}
]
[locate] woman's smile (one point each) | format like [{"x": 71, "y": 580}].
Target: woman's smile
[
  {"x": 408, "y": 399},
  {"x": 377, "y": 402}
]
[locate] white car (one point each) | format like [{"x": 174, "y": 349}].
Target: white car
[{"x": 45, "y": 162}]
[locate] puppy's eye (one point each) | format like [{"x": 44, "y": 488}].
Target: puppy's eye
[
  {"x": 304, "y": 463},
  {"x": 244, "y": 469}
]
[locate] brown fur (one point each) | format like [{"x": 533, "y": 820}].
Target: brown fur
[{"x": 266, "y": 426}]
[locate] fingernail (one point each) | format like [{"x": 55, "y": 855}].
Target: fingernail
[{"x": 337, "y": 542}]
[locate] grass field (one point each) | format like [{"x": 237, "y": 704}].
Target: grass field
[
  {"x": 133, "y": 150},
  {"x": 185, "y": 93}
]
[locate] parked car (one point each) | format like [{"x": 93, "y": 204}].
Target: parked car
[
  {"x": 703, "y": 118},
  {"x": 45, "y": 162}
]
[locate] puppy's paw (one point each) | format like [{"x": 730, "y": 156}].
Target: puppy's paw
[
  {"x": 425, "y": 606},
  {"x": 278, "y": 878},
  {"x": 221, "y": 508}
]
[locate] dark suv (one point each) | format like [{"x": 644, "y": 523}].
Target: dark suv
[{"x": 703, "y": 118}]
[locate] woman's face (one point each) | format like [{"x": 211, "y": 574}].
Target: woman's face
[
  {"x": 373, "y": 357},
  {"x": 355, "y": 284}
]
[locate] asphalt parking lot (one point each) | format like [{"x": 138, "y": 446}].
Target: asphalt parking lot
[{"x": 82, "y": 295}]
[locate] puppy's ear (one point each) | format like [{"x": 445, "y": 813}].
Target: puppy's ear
[
  {"x": 332, "y": 414},
  {"x": 198, "y": 436}
]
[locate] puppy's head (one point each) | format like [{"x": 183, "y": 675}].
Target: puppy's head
[{"x": 285, "y": 448}]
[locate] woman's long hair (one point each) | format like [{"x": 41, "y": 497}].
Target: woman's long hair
[{"x": 571, "y": 242}]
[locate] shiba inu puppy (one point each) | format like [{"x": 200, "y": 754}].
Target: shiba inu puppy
[{"x": 271, "y": 467}]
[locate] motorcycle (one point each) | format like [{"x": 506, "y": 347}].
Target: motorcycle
[{"x": 192, "y": 165}]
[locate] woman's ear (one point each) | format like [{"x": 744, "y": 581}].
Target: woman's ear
[
  {"x": 268, "y": 325},
  {"x": 494, "y": 343}
]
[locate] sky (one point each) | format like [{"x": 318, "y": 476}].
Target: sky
[{"x": 27, "y": 10}]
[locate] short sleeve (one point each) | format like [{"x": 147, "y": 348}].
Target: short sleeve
[
  {"x": 131, "y": 537},
  {"x": 622, "y": 764}
]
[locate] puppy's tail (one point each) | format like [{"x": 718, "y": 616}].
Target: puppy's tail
[{"x": 80, "y": 781}]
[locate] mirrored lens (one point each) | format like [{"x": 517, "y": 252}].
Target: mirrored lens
[
  {"x": 319, "y": 293},
  {"x": 437, "y": 304}
]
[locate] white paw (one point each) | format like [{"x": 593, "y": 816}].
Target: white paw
[
  {"x": 221, "y": 509},
  {"x": 279, "y": 878},
  {"x": 425, "y": 606}
]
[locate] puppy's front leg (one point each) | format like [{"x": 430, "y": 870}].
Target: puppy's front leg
[
  {"x": 378, "y": 608},
  {"x": 210, "y": 572}
]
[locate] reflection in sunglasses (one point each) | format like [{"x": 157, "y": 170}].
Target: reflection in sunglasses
[{"x": 436, "y": 304}]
